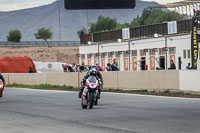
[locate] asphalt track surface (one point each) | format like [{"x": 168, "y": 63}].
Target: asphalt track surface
[{"x": 38, "y": 111}]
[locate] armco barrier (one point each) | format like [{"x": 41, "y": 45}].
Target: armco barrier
[{"x": 151, "y": 80}]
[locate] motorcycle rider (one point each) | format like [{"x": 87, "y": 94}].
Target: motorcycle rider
[
  {"x": 92, "y": 72},
  {"x": 3, "y": 80}
]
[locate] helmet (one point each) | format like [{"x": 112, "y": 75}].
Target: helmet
[
  {"x": 94, "y": 67},
  {"x": 93, "y": 71}
]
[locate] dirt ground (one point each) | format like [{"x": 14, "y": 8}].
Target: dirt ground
[{"x": 45, "y": 54}]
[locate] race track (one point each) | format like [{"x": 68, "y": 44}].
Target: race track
[{"x": 38, "y": 111}]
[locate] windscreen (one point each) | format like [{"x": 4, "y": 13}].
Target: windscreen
[{"x": 92, "y": 79}]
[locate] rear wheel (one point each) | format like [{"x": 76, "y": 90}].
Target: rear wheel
[
  {"x": 91, "y": 101},
  {"x": 96, "y": 99}
]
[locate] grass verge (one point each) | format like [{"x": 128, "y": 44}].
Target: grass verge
[{"x": 44, "y": 87}]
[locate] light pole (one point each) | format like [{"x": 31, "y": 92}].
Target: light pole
[
  {"x": 98, "y": 55},
  {"x": 59, "y": 19},
  {"x": 87, "y": 21},
  {"x": 129, "y": 52},
  {"x": 129, "y": 55},
  {"x": 166, "y": 49}
]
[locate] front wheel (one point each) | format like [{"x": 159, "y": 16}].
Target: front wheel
[
  {"x": 83, "y": 106},
  {"x": 91, "y": 100},
  {"x": 1, "y": 92}
]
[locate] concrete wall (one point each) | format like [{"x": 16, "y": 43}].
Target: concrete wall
[
  {"x": 70, "y": 79},
  {"x": 110, "y": 79},
  {"x": 151, "y": 80},
  {"x": 190, "y": 80},
  {"x": 28, "y": 79}
]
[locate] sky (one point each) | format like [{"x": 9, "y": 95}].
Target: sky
[{"x": 10, "y": 5}]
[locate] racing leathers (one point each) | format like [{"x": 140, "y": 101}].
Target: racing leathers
[
  {"x": 2, "y": 78},
  {"x": 1, "y": 90},
  {"x": 88, "y": 74}
]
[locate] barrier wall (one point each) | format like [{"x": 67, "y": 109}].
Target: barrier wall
[
  {"x": 190, "y": 80},
  {"x": 27, "y": 79},
  {"x": 70, "y": 79},
  {"x": 151, "y": 80}
]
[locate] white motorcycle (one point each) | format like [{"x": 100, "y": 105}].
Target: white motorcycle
[{"x": 90, "y": 93}]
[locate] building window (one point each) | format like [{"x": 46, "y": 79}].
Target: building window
[
  {"x": 142, "y": 52},
  {"x": 82, "y": 56},
  {"x": 95, "y": 55},
  {"x": 103, "y": 55},
  {"x": 161, "y": 51},
  {"x": 188, "y": 54},
  {"x": 89, "y": 56},
  {"x": 172, "y": 50},
  {"x": 184, "y": 54},
  {"x": 118, "y": 54},
  {"x": 134, "y": 52},
  {"x": 151, "y": 52},
  {"x": 125, "y": 53},
  {"x": 110, "y": 55}
]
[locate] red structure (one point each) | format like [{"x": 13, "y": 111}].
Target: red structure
[{"x": 16, "y": 64}]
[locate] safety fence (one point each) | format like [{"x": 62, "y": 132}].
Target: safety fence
[{"x": 41, "y": 44}]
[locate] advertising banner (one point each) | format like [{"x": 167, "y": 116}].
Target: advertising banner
[{"x": 194, "y": 42}]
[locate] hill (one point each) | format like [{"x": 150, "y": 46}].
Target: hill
[
  {"x": 44, "y": 54},
  {"x": 30, "y": 20}
]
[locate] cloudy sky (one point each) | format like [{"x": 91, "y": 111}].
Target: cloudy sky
[{"x": 9, "y": 5}]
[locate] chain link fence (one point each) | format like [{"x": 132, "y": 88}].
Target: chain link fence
[{"x": 41, "y": 44}]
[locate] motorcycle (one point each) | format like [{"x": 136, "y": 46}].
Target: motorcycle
[
  {"x": 90, "y": 93},
  {"x": 1, "y": 88}
]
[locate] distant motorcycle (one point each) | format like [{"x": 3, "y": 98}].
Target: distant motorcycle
[
  {"x": 90, "y": 93},
  {"x": 1, "y": 88}
]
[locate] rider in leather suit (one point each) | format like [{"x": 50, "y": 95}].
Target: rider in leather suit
[{"x": 92, "y": 72}]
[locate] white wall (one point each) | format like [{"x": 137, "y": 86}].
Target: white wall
[
  {"x": 183, "y": 43},
  {"x": 189, "y": 80},
  {"x": 44, "y": 66}
]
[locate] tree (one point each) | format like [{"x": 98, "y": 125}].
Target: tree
[
  {"x": 44, "y": 34},
  {"x": 14, "y": 36},
  {"x": 154, "y": 16},
  {"x": 121, "y": 26},
  {"x": 149, "y": 16},
  {"x": 103, "y": 24}
]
